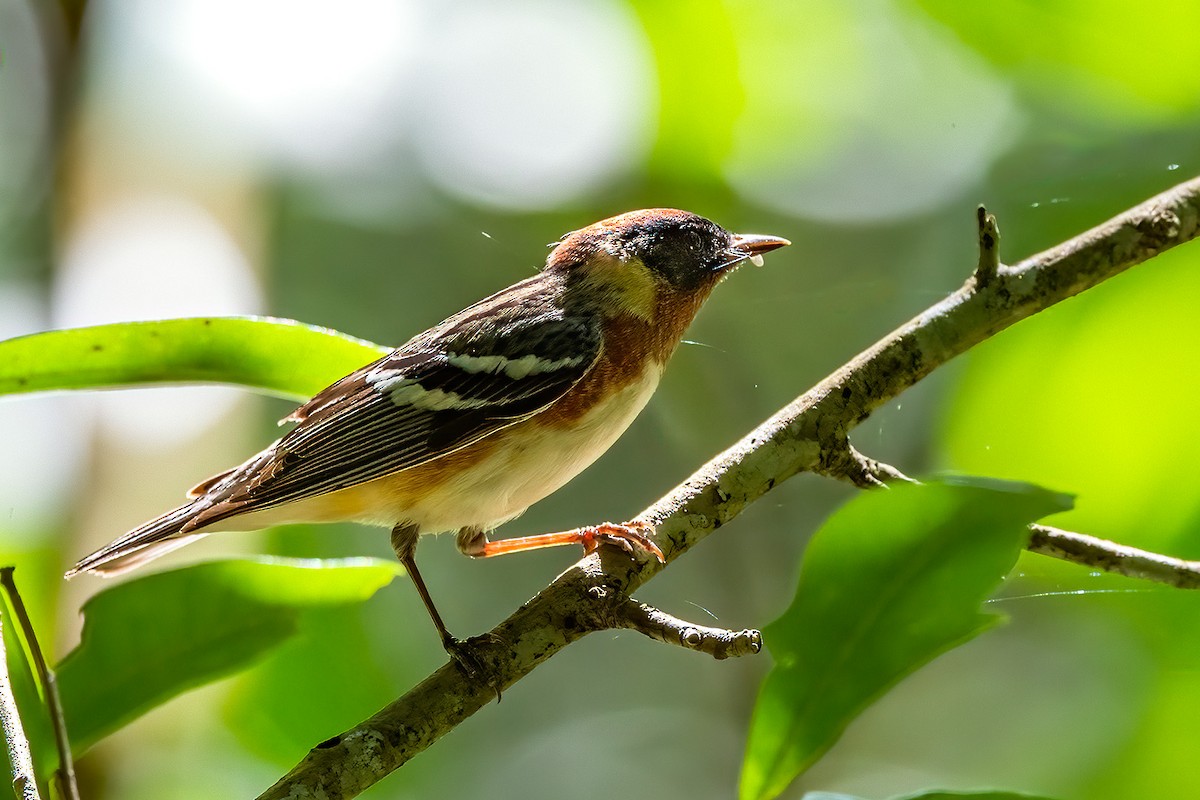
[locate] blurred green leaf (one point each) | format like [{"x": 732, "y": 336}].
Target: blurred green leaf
[
  {"x": 891, "y": 580},
  {"x": 1098, "y": 394},
  {"x": 336, "y": 661},
  {"x": 973, "y": 796},
  {"x": 282, "y": 357},
  {"x": 333, "y": 665},
  {"x": 152, "y": 638},
  {"x": 1100, "y": 57},
  {"x": 700, "y": 93},
  {"x": 935, "y": 796}
]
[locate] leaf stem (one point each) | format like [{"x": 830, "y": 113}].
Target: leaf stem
[{"x": 65, "y": 774}]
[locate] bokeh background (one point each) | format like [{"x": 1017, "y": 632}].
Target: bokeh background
[{"x": 374, "y": 165}]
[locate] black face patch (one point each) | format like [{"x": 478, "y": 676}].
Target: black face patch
[{"x": 684, "y": 249}]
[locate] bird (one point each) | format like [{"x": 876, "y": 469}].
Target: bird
[{"x": 467, "y": 424}]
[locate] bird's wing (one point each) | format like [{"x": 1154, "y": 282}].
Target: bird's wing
[{"x": 475, "y": 374}]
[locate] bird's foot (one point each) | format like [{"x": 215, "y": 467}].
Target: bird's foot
[
  {"x": 465, "y": 655},
  {"x": 629, "y": 536}
]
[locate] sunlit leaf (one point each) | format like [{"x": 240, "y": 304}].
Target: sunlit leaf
[
  {"x": 997, "y": 795},
  {"x": 891, "y": 580},
  {"x": 1076, "y": 55},
  {"x": 334, "y": 665},
  {"x": 152, "y": 638},
  {"x": 699, "y": 91},
  {"x": 281, "y": 357},
  {"x": 994, "y": 795},
  {"x": 1098, "y": 394}
]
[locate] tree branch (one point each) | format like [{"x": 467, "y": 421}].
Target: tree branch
[
  {"x": 809, "y": 434},
  {"x": 989, "y": 247},
  {"x": 1077, "y": 548},
  {"x": 716, "y": 642},
  {"x": 1091, "y": 551}
]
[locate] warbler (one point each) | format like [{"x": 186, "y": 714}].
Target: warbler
[{"x": 466, "y": 425}]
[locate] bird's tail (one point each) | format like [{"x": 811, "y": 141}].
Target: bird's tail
[{"x": 145, "y": 542}]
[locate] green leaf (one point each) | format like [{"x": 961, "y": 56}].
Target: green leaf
[
  {"x": 282, "y": 357},
  {"x": 333, "y": 649},
  {"x": 891, "y": 580},
  {"x": 152, "y": 638}
]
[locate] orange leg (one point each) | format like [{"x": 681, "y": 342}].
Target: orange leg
[{"x": 630, "y": 537}]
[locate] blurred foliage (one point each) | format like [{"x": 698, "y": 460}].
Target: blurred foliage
[
  {"x": 1098, "y": 394},
  {"x": 1115, "y": 64},
  {"x": 865, "y": 134},
  {"x": 1097, "y": 384},
  {"x": 935, "y": 796},
  {"x": 699, "y": 102},
  {"x": 147, "y": 640}
]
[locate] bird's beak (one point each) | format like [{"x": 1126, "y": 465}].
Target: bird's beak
[{"x": 753, "y": 245}]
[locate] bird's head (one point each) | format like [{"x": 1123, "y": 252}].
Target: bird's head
[{"x": 659, "y": 260}]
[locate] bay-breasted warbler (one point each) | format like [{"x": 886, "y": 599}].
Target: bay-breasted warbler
[{"x": 466, "y": 425}]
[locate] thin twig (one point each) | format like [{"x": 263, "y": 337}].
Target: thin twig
[
  {"x": 65, "y": 774},
  {"x": 846, "y": 463},
  {"x": 796, "y": 439},
  {"x": 717, "y": 642},
  {"x": 19, "y": 758},
  {"x": 989, "y": 247}
]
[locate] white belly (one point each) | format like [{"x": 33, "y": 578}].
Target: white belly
[
  {"x": 523, "y": 469},
  {"x": 536, "y": 464}
]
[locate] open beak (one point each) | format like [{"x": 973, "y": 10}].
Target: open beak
[{"x": 752, "y": 246}]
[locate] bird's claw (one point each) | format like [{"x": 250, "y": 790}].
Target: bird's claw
[
  {"x": 465, "y": 655},
  {"x": 629, "y": 536}
]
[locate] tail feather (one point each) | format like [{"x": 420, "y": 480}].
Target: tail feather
[{"x": 149, "y": 541}]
